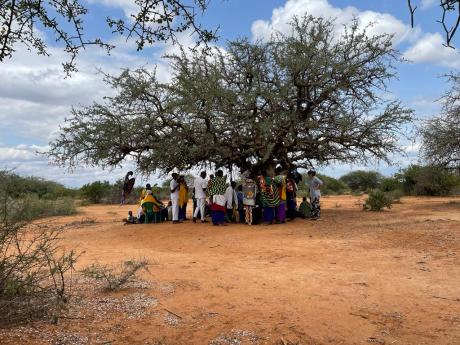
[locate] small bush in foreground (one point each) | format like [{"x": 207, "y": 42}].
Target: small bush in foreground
[
  {"x": 378, "y": 200},
  {"x": 115, "y": 278},
  {"x": 33, "y": 273}
]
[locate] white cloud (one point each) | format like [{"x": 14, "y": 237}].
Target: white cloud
[
  {"x": 382, "y": 22},
  {"x": 429, "y": 49},
  {"x": 428, "y": 3},
  {"x": 129, "y": 7}
]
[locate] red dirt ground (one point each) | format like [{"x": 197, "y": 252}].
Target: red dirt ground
[{"x": 353, "y": 277}]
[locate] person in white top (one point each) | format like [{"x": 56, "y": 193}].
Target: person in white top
[
  {"x": 231, "y": 199},
  {"x": 174, "y": 187},
  {"x": 315, "y": 194},
  {"x": 200, "y": 184}
]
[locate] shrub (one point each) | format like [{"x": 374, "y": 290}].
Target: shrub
[
  {"x": 378, "y": 200},
  {"x": 33, "y": 268},
  {"x": 390, "y": 184},
  {"x": 428, "y": 180},
  {"x": 115, "y": 278},
  {"x": 331, "y": 186},
  {"x": 96, "y": 191},
  {"x": 362, "y": 180}
]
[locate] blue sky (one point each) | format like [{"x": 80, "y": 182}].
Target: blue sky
[{"x": 35, "y": 98}]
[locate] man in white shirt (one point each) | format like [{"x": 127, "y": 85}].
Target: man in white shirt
[
  {"x": 174, "y": 187},
  {"x": 231, "y": 199},
  {"x": 315, "y": 194},
  {"x": 200, "y": 184}
]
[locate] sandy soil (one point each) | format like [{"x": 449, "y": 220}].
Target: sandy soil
[{"x": 353, "y": 277}]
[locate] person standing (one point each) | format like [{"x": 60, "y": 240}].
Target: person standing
[
  {"x": 128, "y": 185},
  {"x": 269, "y": 198},
  {"x": 183, "y": 198},
  {"x": 200, "y": 185},
  {"x": 249, "y": 198},
  {"x": 315, "y": 194},
  {"x": 280, "y": 181},
  {"x": 240, "y": 198},
  {"x": 231, "y": 200},
  {"x": 174, "y": 188},
  {"x": 217, "y": 189}
]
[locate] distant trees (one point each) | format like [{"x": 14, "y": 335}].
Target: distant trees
[
  {"x": 428, "y": 180},
  {"x": 152, "y": 21},
  {"x": 298, "y": 100},
  {"x": 441, "y": 134},
  {"x": 362, "y": 181}
]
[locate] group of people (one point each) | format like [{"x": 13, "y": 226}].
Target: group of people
[{"x": 261, "y": 198}]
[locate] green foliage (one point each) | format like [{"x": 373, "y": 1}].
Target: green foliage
[
  {"x": 252, "y": 105},
  {"x": 96, "y": 191},
  {"x": 115, "y": 278},
  {"x": 331, "y": 186},
  {"x": 362, "y": 181},
  {"x": 428, "y": 180},
  {"x": 152, "y": 21},
  {"x": 33, "y": 268},
  {"x": 30, "y": 198},
  {"x": 378, "y": 200},
  {"x": 389, "y": 184},
  {"x": 441, "y": 134}
]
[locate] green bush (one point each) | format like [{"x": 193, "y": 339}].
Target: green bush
[
  {"x": 389, "y": 184},
  {"x": 362, "y": 181},
  {"x": 96, "y": 191},
  {"x": 428, "y": 180},
  {"x": 331, "y": 186},
  {"x": 378, "y": 200}
]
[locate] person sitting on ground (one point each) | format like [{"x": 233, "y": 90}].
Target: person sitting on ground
[
  {"x": 304, "y": 208},
  {"x": 130, "y": 219}
]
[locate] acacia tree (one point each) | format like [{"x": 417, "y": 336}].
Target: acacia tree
[
  {"x": 152, "y": 21},
  {"x": 441, "y": 135},
  {"x": 299, "y": 99}
]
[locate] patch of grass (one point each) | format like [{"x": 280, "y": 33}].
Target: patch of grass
[{"x": 115, "y": 277}]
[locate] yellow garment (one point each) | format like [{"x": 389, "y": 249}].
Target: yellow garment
[
  {"x": 283, "y": 190},
  {"x": 154, "y": 200},
  {"x": 183, "y": 195},
  {"x": 143, "y": 194}
]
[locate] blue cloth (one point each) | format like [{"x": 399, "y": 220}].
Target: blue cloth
[
  {"x": 269, "y": 214},
  {"x": 218, "y": 217}
]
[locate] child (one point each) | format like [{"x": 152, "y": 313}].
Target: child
[
  {"x": 130, "y": 219},
  {"x": 305, "y": 208}
]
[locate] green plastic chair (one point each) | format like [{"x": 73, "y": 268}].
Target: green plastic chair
[{"x": 150, "y": 215}]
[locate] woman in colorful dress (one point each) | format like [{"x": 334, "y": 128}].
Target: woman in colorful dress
[
  {"x": 217, "y": 188},
  {"x": 269, "y": 198}
]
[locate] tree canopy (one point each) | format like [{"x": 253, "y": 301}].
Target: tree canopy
[
  {"x": 300, "y": 99},
  {"x": 441, "y": 134},
  {"x": 152, "y": 21}
]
